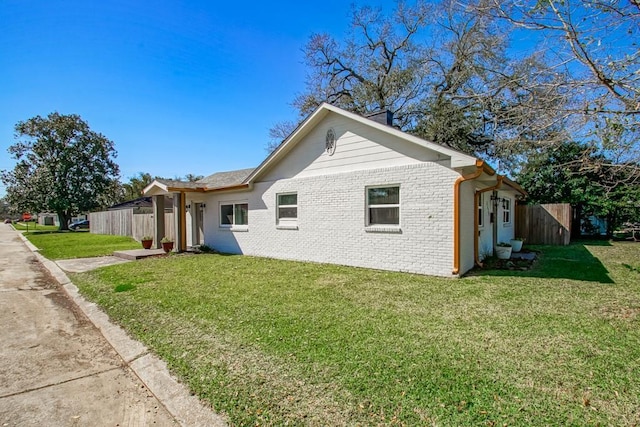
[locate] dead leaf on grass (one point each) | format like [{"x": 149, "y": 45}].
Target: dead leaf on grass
[{"x": 620, "y": 313}]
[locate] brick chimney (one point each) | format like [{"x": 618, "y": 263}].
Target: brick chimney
[{"x": 383, "y": 116}]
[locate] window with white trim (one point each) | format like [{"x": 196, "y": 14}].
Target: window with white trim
[
  {"x": 506, "y": 211},
  {"x": 383, "y": 205},
  {"x": 287, "y": 209},
  {"x": 480, "y": 210},
  {"x": 232, "y": 214}
]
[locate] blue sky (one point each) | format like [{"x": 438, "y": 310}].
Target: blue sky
[{"x": 180, "y": 87}]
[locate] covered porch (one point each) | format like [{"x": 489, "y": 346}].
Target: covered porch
[
  {"x": 189, "y": 202},
  {"x": 495, "y": 200},
  {"x": 187, "y": 213}
]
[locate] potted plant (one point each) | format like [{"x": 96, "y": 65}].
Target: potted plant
[
  {"x": 516, "y": 244},
  {"x": 147, "y": 242},
  {"x": 503, "y": 250},
  {"x": 167, "y": 244}
]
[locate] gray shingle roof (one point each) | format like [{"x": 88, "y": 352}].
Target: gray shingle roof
[
  {"x": 140, "y": 202},
  {"x": 217, "y": 180},
  {"x": 225, "y": 179},
  {"x": 179, "y": 184}
]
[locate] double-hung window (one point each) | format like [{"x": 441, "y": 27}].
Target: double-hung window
[
  {"x": 383, "y": 206},
  {"x": 506, "y": 211},
  {"x": 287, "y": 209},
  {"x": 234, "y": 214}
]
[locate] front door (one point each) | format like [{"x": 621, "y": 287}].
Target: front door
[{"x": 198, "y": 224}]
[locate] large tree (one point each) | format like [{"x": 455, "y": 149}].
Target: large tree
[
  {"x": 5, "y": 209},
  {"x": 596, "y": 44},
  {"x": 379, "y": 66},
  {"x": 62, "y": 166},
  {"x": 509, "y": 81},
  {"x": 443, "y": 70},
  {"x": 480, "y": 99}
]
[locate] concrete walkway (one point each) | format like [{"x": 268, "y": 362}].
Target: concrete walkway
[
  {"x": 62, "y": 363},
  {"x": 80, "y": 265}
]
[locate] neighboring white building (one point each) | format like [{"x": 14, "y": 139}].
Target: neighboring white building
[
  {"x": 48, "y": 218},
  {"x": 51, "y": 218},
  {"x": 345, "y": 189}
]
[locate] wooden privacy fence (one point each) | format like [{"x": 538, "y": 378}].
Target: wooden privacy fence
[
  {"x": 544, "y": 224},
  {"x": 125, "y": 223},
  {"x": 117, "y": 223},
  {"x": 144, "y": 225}
]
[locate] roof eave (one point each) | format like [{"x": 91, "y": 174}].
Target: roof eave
[
  {"x": 155, "y": 188},
  {"x": 515, "y": 186},
  {"x": 186, "y": 189},
  {"x": 238, "y": 187}
]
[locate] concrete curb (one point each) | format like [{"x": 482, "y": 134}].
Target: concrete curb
[{"x": 152, "y": 371}]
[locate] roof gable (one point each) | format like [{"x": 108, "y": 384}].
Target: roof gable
[{"x": 456, "y": 158}]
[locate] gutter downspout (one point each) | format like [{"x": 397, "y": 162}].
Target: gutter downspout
[
  {"x": 475, "y": 226},
  {"x": 456, "y": 213}
]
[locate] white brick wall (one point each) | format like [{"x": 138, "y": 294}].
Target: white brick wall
[{"x": 331, "y": 220}]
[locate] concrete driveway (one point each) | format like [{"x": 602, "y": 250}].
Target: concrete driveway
[{"x": 57, "y": 368}]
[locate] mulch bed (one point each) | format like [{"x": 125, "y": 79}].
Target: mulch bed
[{"x": 523, "y": 261}]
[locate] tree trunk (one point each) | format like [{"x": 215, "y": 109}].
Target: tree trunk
[{"x": 64, "y": 218}]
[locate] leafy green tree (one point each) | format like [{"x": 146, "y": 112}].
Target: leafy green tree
[
  {"x": 62, "y": 166},
  {"x": 5, "y": 209},
  {"x": 133, "y": 188},
  {"x": 192, "y": 178},
  {"x": 564, "y": 174}
]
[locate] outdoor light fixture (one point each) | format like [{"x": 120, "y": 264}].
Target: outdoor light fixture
[{"x": 503, "y": 201}]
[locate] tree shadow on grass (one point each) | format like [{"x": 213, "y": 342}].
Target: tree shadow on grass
[
  {"x": 631, "y": 268},
  {"x": 32, "y": 232},
  {"x": 574, "y": 262}
]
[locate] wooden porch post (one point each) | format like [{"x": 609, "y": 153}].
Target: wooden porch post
[
  {"x": 180, "y": 221},
  {"x": 158, "y": 216}
]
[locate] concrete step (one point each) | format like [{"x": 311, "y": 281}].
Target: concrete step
[{"x": 134, "y": 254}]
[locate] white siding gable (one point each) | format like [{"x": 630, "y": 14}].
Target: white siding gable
[{"x": 358, "y": 147}]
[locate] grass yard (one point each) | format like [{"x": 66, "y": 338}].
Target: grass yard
[
  {"x": 271, "y": 342},
  {"x": 33, "y": 226},
  {"x": 70, "y": 244}
]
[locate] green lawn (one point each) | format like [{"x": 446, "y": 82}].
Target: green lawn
[
  {"x": 70, "y": 244},
  {"x": 271, "y": 342},
  {"x": 34, "y": 226}
]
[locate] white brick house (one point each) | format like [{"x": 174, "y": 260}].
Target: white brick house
[{"x": 350, "y": 190}]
